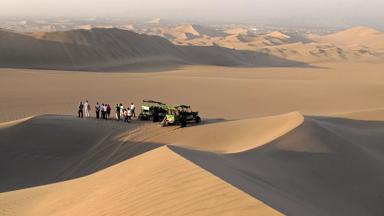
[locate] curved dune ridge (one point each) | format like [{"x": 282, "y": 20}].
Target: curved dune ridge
[
  {"x": 234, "y": 136},
  {"x": 372, "y": 114},
  {"x": 355, "y": 37},
  {"x": 289, "y": 163},
  {"x": 15, "y": 122}
]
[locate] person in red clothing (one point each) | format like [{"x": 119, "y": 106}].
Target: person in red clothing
[{"x": 108, "y": 110}]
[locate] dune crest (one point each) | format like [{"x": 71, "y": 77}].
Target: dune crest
[
  {"x": 14, "y": 122},
  {"x": 372, "y": 114},
  {"x": 355, "y": 38},
  {"x": 234, "y": 136}
]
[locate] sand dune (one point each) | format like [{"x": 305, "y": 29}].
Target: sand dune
[
  {"x": 246, "y": 158},
  {"x": 301, "y": 168},
  {"x": 57, "y": 148},
  {"x": 355, "y": 38},
  {"x": 49, "y": 149},
  {"x": 114, "y": 49},
  {"x": 83, "y": 48},
  {"x": 189, "y": 32},
  {"x": 324, "y": 167},
  {"x": 234, "y": 136},
  {"x": 238, "y": 93},
  {"x": 354, "y": 44},
  {"x": 372, "y": 115},
  {"x": 184, "y": 32}
]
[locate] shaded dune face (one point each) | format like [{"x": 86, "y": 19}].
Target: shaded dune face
[
  {"x": 50, "y": 149},
  {"x": 324, "y": 167}
]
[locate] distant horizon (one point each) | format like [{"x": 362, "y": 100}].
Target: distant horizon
[
  {"x": 266, "y": 23},
  {"x": 315, "y": 13}
]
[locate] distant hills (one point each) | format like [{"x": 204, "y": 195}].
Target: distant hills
[
  {"x": 354, "y": 44},
  {"x": 117, "y": 49},
  {"x": 112, "y": 48}
]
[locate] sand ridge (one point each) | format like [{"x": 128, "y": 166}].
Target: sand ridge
[{"x": 234, "y": 136}]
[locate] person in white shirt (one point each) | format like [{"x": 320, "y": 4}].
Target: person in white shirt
[
  {"x": 121, "y": 111},
  {"x": 129, "y": 113},
  {"x": 87, "y": 108},
  {"x": 105, "y": 108},
  {"x": 133, "y": 110}
]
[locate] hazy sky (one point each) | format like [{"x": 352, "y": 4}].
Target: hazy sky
[{"x": 353, "y": 12}]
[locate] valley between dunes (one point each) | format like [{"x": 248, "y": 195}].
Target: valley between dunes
[{"x": 274, "y": 141}]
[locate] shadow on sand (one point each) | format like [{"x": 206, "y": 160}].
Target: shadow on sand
[
  {"x": 326, "y": 166},
  {"x": 49, "y": 149}
]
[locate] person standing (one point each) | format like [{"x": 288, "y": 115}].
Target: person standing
[
  {"x": 129, "y": 114},
  {"x": 105, "y": 111},
  {"x": 81, "y": 108},
  {"x": 97, "y": 109},
  {"x": 117, "y": 112},
  {"x": 133, "y": 110},
  {"x": 121, "y": 110},
  {"x": 87, "y": 108},
  {"x": 102, "y": 111},
  {"x": 108, "y": 111},
  {"x": 125, "y": 115}
]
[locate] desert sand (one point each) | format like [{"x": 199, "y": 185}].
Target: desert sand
[
  {"x": 255, "y": 154},
  {"x": 275, "y": 140},
  {"x": 238, "y": 93}
]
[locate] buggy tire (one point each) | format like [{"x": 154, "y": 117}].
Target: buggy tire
[
  {"x": 198, "y": 119},
  {"x": 183, "y": 123}
]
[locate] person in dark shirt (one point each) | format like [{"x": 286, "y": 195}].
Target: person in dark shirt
[
  {"x": 118, "y": 112},
  {"x": 97, "y": 109},
  {"x": 81, "y": 108}
]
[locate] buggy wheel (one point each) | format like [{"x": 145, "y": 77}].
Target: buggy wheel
[
  {"x": 183, "y": 123},
  {"x": 155, "y": 119},
  {"x": 198, "y": 119}
]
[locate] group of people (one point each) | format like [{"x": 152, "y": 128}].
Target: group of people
[{"x": 103, "y": 111}]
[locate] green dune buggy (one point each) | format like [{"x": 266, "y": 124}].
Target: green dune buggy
[
  {"x": 153, "y": 110},
  {"x": 180, "y": 115}
]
